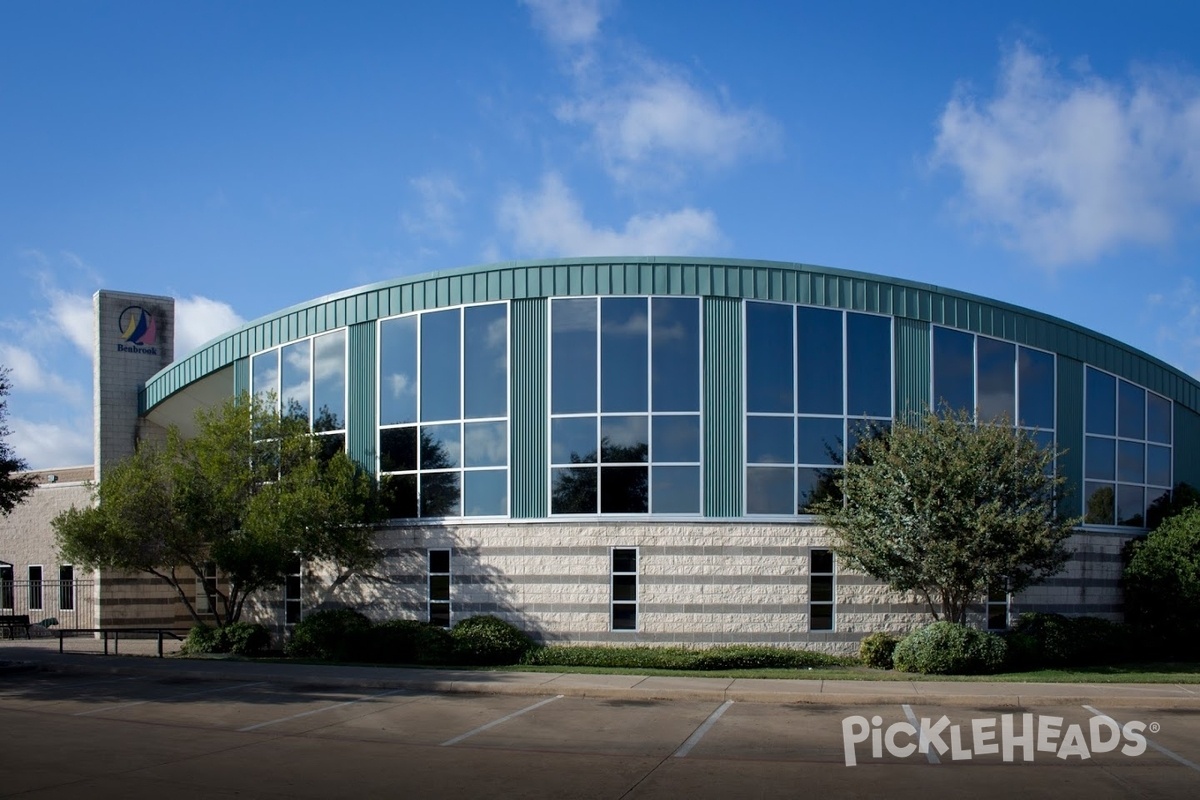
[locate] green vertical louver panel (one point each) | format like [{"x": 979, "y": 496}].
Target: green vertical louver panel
[
  {"x": 361, "y": 381},
  {"x": 241, "y": 376},
  {"x": 1187, "y": 457},
  {"x": 722, "y": 407},
  {"x": 530, "y": 459},
  {"x": 1069, "y": 434},
  {"x": 912, "y": 368}
]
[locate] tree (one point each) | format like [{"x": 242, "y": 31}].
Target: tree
[
  {"x": 14, "y": 487},
  {"x": 1162, "y": 584},
  {"x": 948, "y": 509},
  {"x": 248, "y": 494}
]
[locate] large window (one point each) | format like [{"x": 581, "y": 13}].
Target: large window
[
  {"x": 994, "y": 379},
  {"x": 625, "y": 405},
  {"x": 1126, "y": 450},
  {"x": 308, "y": 380},
  {"x": 816, "y": 380},
  {"x": 443, "y": 412}
]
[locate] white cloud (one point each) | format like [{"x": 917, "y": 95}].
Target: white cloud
[
  {"x": 657, "y": 125},
  {"x": 74, "y": 316},
  {"x": 1068, "y": 169},
  {"x": 568, "y": 23},
  {"x": 1178, "y": 333},
  {"x": 29, "y": 375},
  {"x": 199, "y": 319},
  {"x": 52, "y": 444},
  {"x": 550, "y": 222},
  {"x": 436, "y": 215}
]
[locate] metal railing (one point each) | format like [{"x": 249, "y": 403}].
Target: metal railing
[
  {"x": 115, "y": 634},
  {"x": 70, "y": 604}
]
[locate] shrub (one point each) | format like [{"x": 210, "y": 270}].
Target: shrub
[
  {"x": 489, "y": 641},
  {"x": 339, "y": 634},
  {"x": 948, "y": 648},
  {"x": 406, "y": 641},
  {"x": 1162, "y": 586},
  {"x": 1053, "y": 640},
  {"x": 239, "y": 638},
  {"x": 877, "y": 649},
  {"x": 682, "y": 658}
]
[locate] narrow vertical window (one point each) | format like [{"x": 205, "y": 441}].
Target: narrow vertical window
[
  {"x": 66, "y": 587},
  {"x": 624, "y": 588},
  {"x": 439, "y": 588},
  {"x": 6, "y": 586},
  {"x": 35, "y": 588},
  {"x": 291, "y": 591},
  {"x": 997, "y": 608},
  {"x": 206, "y": 590},
  {"x": 820, "y": 590}
]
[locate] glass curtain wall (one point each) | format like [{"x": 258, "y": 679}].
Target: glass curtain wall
[
  {"x": 1127, "y": 450},
  {"x": 816, "y": 380},
  {"x": 308, "y": 380},
  {"x": 443, "y": 412},
  {"x": 625, "y": 405}
]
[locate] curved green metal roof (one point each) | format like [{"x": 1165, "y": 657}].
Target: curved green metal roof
[{"x": 759, "y": 280}]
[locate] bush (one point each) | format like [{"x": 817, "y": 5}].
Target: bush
[
  {"x": 339, "y": 634},
  {"x": 239, "y": 638},
  {"x": 1162, "y": 586},
  {"x": 1053, "y": 640},
  {"x": 947, "y": 648},
  {"x": 406, "y": 641},
  {"x": 682, "y": 658},
  {"x": 877, "y": 650},
  {"x": 489, "y": 641}
]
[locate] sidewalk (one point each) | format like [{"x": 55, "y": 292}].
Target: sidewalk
[{"x": 135, "y": 659}]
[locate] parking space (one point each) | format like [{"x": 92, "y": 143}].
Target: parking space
[{"x": 76, "y": 734}]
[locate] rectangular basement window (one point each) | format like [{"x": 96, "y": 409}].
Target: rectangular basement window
[{"x": 624, "y": 588}]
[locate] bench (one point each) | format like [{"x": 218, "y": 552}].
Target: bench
[{"x": 14, "y": 621}]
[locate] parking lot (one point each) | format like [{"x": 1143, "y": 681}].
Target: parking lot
[{"x": 103, "y": 735}]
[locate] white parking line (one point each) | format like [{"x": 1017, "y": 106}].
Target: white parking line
[
  {"x": 695, "y": 738},
  {"x": 131, "y": 704},
  {"x": 1150, "y": 743},
  {"x": 496, "y": 722},
  {"x": 20, "y": 690},
  {"x": 317, "y": 710},
  {"x": 923, "y": 744}
]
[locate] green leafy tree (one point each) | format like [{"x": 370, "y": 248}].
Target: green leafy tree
[
  {"x": 14, "y": 487},
  {"x": 1162, "y": 584},
  {"x": 946, "y": 508},
  {"x": 248, "y": 493}
]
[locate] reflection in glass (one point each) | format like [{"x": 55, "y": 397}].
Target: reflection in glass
[
  {"x": 1131, "y": 406},
  {"x": 1101, "y": 461},
  {"x": 1101, "y": 408},
  {"x": 859, "y": 429},
  {"x": 953, "y": 369},
  {"x": 397, "y": 449},
  {"x": 769, "y": 440},
  {"x": 1131, "y": 462},
  {"x": 869, "y": 360},
  {"x": 296, "y": 381},
  {"x": 485, "y": 361},
  {"x": 440, "y": 494},
  {"x": 573, "y": 356},
  {"x": 675, "y": 439},
  {"x": 1158, "y": 465},
  {"x": 997, "y": 379},
  {"x": 573, "y": 440},
  {"x": 1036, "y": 377},
  {"x": 819, "y": 440},
  {"x": 623, "y": 353},
  {"x": 624, "y": 440},
  {"x": 1158, "y": 418},
  {"x": 676, "y": 490},
  {"x": 769, "y": 490},
  {"x": 573, "y": 490},
  {"x": 330, "y": 444},
  {"x": 398, "y": 370},
  {"x": 485, "y": 493},
  {"x": 399, "y": 493},
  {"x": 675, "y": 353},
  {"x": 264, "y": 373},
  {"x": 1131, "y": 505},
  {"x": 814, "y": 486},
  {"x": 485, "y": 445},
  {"x": 329, "y": 382},
  {"x": 440, "y": 361},
  {"x": 441, "y": 447},
  {"x": 769, "y": 376},
  {"x": 819, "y": 361},
  {"x": 624, "y": 490},
  {"x": 1101, "y": 503}
]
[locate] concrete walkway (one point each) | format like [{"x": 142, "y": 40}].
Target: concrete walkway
[{"x": 83, "y": 656}]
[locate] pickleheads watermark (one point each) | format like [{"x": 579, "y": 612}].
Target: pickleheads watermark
[{"x": 1007, "y": 735}]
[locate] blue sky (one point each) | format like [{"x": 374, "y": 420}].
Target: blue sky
[{"x": 243, "y": 157}]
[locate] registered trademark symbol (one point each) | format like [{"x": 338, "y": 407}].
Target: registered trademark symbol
[{"x": 1155, "y": 727}]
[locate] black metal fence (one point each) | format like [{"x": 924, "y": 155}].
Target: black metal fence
[{"x": 50, "y": 604}]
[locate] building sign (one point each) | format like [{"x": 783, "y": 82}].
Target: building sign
[{"x": 139, "y": 331}]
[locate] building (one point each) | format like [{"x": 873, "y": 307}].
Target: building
[{"x": 624, "y": 450}]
